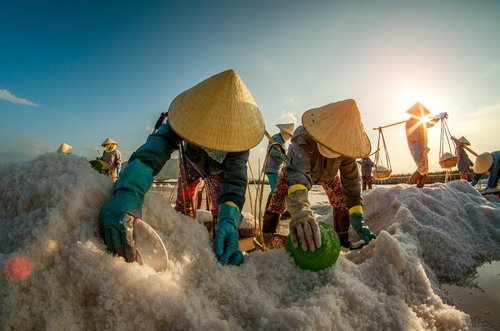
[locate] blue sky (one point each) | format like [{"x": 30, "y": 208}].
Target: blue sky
[{"x": 80, "y": 71}]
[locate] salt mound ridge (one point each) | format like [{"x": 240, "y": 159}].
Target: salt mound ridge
[{"x": 48, "y": 212}]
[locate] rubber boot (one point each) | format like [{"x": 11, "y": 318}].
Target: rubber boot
[
  {"x": 286, "y": 215},
  {"x": 414, "y": 178},
  {"x": 421, "y": 181},
  {"x": 341, "y": 226},
  {"x": 270, "y": 222}
]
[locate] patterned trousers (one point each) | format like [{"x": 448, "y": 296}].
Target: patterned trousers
[
  {"x": 332, "y": 187},
  {"x": 335, "y": 193},
  {"x": 189, "y": 189}
]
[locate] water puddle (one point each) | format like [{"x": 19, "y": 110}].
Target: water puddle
[{"x": 482, "y": 301}]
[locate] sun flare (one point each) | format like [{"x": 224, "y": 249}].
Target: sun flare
[{"x": 424, "y": 119}]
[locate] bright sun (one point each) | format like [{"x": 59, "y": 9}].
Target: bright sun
[
  {"x": 424, "y": 119},
  {"x": 411, "y": 94}
]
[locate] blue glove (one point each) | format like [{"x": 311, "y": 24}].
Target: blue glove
[
  {"x": 474, "y": 182},
  {"x": 128, "y": 197},
  {"x": 226, "y": 246},
  {"x": 358, "y": 223}
]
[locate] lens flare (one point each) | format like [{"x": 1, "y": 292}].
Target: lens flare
[
  {"x": 424, "y": 119},
  {"x": 18, "y": 268}
]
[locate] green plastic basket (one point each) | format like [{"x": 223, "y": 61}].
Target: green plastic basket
[{"x": 323, "y": 257}]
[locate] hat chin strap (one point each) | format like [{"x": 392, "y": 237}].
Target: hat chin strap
[{"x": 326, "y": 152}]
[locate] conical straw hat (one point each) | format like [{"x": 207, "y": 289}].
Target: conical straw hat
[
  {"x": 338, "y": 127},
  {"x": 464, "y": 140},
  {"x": 219, "y": 114},
  {"x": 64, "y": 148},
  {"x": 287, "y": 127},
  {"x": 108, "y": 140},
  {"x": 327, "y": 152},
  {"x": 483, "y": 163},
  {"x": 418, "y": 110}
]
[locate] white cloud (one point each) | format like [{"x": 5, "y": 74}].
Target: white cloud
[
  {"x": 287, "y": 117},
  {"x": 7, "y": 96},
  {"x": 484, "y": 111}
]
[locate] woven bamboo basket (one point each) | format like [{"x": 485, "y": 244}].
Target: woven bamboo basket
[
  {"x": 448, "y": 161},
  {"x": 247, "y": 232},
  {"x": 247, "y": 226},
  {"x": 381, "y": 173},
  {"x": 271, "y": 241}
]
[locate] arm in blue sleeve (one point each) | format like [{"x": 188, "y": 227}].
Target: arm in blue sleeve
[
  {"x": 158, "y": 148},
  {"x": 233, "y": 182},
  {"x": 275, "y": 153},
  {"x": 494, "y": 171}
]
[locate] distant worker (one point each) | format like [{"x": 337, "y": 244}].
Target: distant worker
[
  {"x": 329, "y": 140},
  {"x": 464, "y": 162},
  {"x": 416, "y": 136},
  {"x": 276, "y": 152},
  {"x": 366, "y": 172},
  {"x": 488, "y": 162},
  {"x": 65, "y": 149},
  {"x": 112, "y": 157},
  {"x": 215, "y": 123}
]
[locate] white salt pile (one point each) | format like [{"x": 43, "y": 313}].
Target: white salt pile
[{"x": 48, "y": 214}]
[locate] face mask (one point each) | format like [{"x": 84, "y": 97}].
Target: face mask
[
  {"x": 216, "y": 155},
  {"x": 110, "y": 147}
]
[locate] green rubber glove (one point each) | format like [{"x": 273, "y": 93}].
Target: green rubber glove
[
  {"x": 358, "y": 223},
  {"x": 115, "y": 227},
  {"x": 304, "y": 229},
  {"x": 226, "y": 246}
]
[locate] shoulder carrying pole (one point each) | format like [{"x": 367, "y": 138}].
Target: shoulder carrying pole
[
  {"x": 386, "y": 126},
  {"x": 274, "y": 144}
]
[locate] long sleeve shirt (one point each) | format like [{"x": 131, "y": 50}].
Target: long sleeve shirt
[
  {"x": 366, "y": 166},
  {"x": 494, "y": 170},
  {"x": 113, "y": 159},
  {"x": 416, "y": 132},
  {"x": 275, "y": 158},
  {"x": 160, "y": 145},
  {"x": 463, "y": 159},
  {"x": 306, "y": 166}
]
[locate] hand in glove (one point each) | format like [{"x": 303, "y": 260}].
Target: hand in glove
[
  {"x": 304, "y": 229},
  {"x": 357, "y": 221},
  {"x": 115, "y": 226},
  {"x": 226, "y": 246}
]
